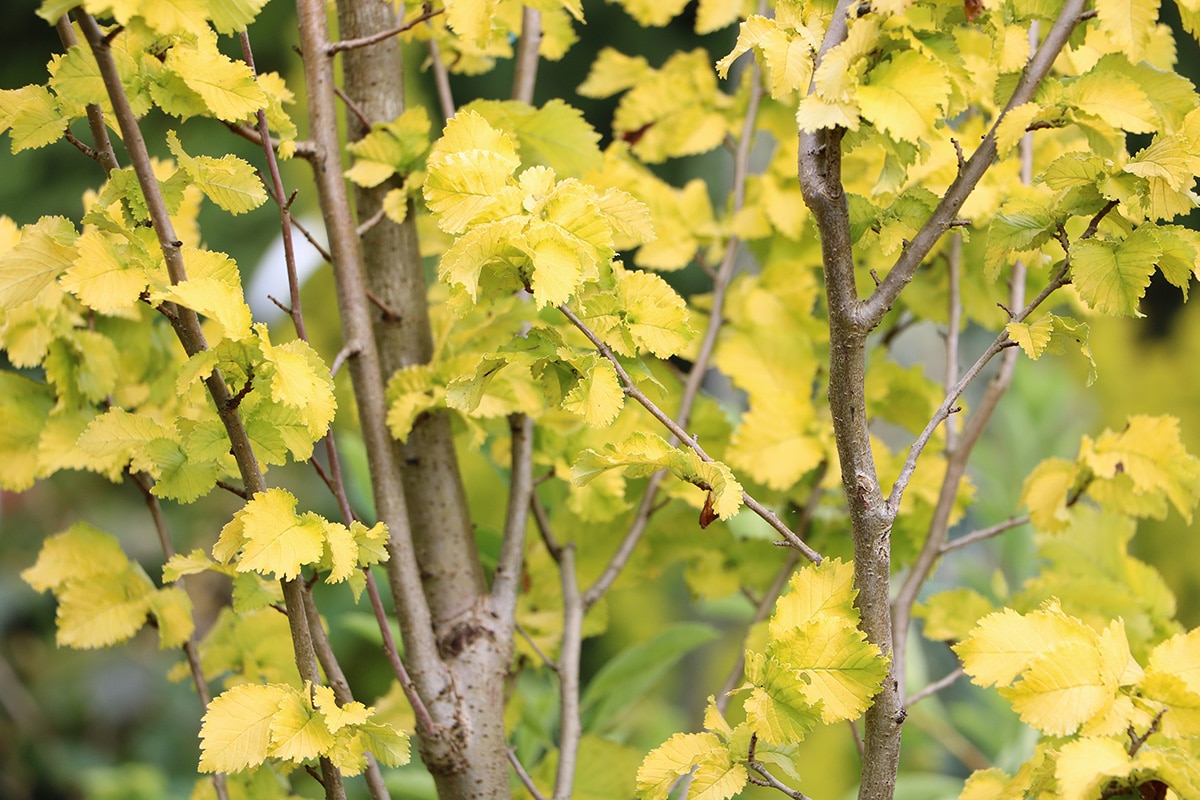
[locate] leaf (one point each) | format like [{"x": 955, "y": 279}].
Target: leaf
[
  {"x": 1150, "y": 454},
  {"x": 214, "y": 299},
  {"x": 628, "y": 676},
  {"x": 299, "y": 379},
  {"x": 393, "y": 148},
  {"x": 99, "y": 613},
  {"x": 1032, "y": 338},
  {"x": 556, "y": 135},
  {"x": 297, "y": 731},
  {"x": 31, "y": 116},
  {"x": 118, "y": 432},
  {"x": 950, "y": 615},
  {"x": 841, "y": 669},
  {"x": 24, "y": 406},
  {"x": 1179, "y": 656},
  {"x": 172, "y": 611},
  {"x": 613, "y": 72},
  {"x": 229, "y": 16},
  {"x": 788, "y": 56},
  {"x": 1112, "y": 277},
  {"x": 597, "y": 396},
  {"x": 226, "y": 86},
  {"x": 107, "y": 275},
  {"x": 277, "y": 541},
  {"x": 44, "y": 251},
  {"x": 235, "y": 733},
  {"x": 1062, "y": 687},
  {"x": 655, "y": 315},
  {"x": 468, "y": 169},
  {"x": 778, "y": 709},
  {"x": 817, "y": 591},
  {"x": 1004, "y": 644},
  {"x": 1114, "y": 98},
  {"x": 228, "y": 181},
  {"x": 1087, "y": 764},
  {"x": 673, "y": 758},
  {"x": 79, "y": 553},
  {"x": 904, "y": 95}
]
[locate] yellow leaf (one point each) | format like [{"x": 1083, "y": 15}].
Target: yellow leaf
[
  {"x": 343, "y": 552},
  {"x": 79, "y": 553},
  {"x": 44, "y": 251},
  {"x": 297, "y": 731},
  {"x": 1150, "y": 454},
  {"x": 468, "y": 168},
  {"x": 214, "y": 299},
  {"x": 299, "y": 379},
  {"x": 825, "y": 589},
  {"x": 841, "y": 671},
  {"x": 1004, "y": 644},
  {"x": 1045, "y": 493},
  {"x": 903, "y": 96},
  {"x": 1012, "y": 128},
  {"x": 597, "y": 396},
  {"x": 118, "y": 431},
  {"x": 1113, "y": 98},
  {"x": 1087, "y": 764},
  {"x": 24, "y": 407},
  {"x": 32, "y": 117},
  {"x": 788, "y": 56},
  {"x": 652, "y": 14},
  {"x": 1179, "y": 656},
  {"x": 179, "y": 565},
  {"x": 612, "y": 72},
  {"x": 172, "y": 610},
  {"x": 277, "y": 541},
  {"x": 228, "y": 181},
  {"x": 674, "y": 757},
  {"x": 227, "y": 87},
  {"x": 1032, "y": 337},
  {"x": 1128, "y": 24},
  {"x": 235, "y": 734},
  {"x": 106, "y": 275},
  {"x": 1061, "y": 688},
  {"x": 471, "y": 19},
  {"x": 103, "y": 611}
]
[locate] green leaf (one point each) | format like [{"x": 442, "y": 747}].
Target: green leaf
[
  {"x": 25, "y": 406},
  {"x": 778, "y": 708},
  {"x": 555, "y": 136},
  {"x": 1112, "y": 276},
  {"x": 631, "y": 674}
]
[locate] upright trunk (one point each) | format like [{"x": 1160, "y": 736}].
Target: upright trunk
[{"x": 471, "y": 643}]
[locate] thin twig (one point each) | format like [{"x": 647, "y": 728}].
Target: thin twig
[
  {"x": 570, "y": 725},
  {"x": 441, "y": 79},
  {"x": 525, "y": 64},
  {"x": 527, "y": 781},
  {"x": 766, "y": 778},
  {"x": 520, "y": 491},
  {"x": 101, "y": 149},
  {"x": 424, "y": 720},
  {"x": 633, "y": 391},
  {"x": 984, "y": 533},
  {"x": 524, "y": 634},
  {"x": 366, "y": 41},
  {"x": 303, "y": 149},
  {"x": 935, "y": 687},
  {"x": 362, "y": 118}
]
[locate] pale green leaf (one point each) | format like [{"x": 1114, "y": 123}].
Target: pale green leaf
[{"x": 44, "y": 251}]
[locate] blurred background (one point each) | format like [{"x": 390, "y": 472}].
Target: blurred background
[{"x": 108, "y": 724}]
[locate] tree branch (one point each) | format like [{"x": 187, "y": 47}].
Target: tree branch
[
  {"x": 935, "y": 687},
  {"x": 102, "y": 149},
  {"x": 427, "y": 13},
  {"x": 354, "y": 308},
  {"x": 571, "y": 727},
  {"x": 969, "y": 176},
  {"x": 984, "y": 533},
  {"x": 525, "y": 65},
  {"x": 520, "y": 491},
  {"x": 631, "y": 389}
]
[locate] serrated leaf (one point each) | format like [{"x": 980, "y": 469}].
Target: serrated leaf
[
  {"x": 228, "y": 181},
  {"x": 226, "y": 86},
  {"x": 841, "y": 670},
  {"x": 1087, "y": 764},
  {"x": 235, "y": 734},
  {"x": 1112, "y": 277},
  {"x": 172, "y": 611},
  {"x": 99, "y": 613},
  {"x": 106, "y": 275},
  {"x": 597, "y": 396},
  {"x": 24, "y": 407},
  {"x": 1062, "y": 687},
  {"x": 79, "y": 553},
  {"x": 1150, "y": 454},
  {"x": 297, "y": 731},
  {"x": 1114, "y": 98},
  {"x": 31, "y": 117},
  {"x": 903, "y": 96},
  {"x": 823, "y": 590},
  {"x": 788, "y": 56},
  {"x": 1005, "y": 643},
  {"x": 656, "y": 316},
  {"x": 556, "y": 135},
  {"x": 1032, "y": 337},
  {"x": 44, "y": 251},
  {"x": 277, "y": 541},
  {"x": 467, "y": 170},
  {"x": 612, "y": 72},
  {"x": 674, "y": 757},
  {"x": 778, "y": 709},
  {"x": 118, "y": 431}
]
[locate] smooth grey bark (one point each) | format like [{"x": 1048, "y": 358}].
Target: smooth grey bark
[{"x": 457, "y": 644}]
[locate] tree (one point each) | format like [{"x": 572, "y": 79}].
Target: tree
[{"x": 1014, "y": 167}]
